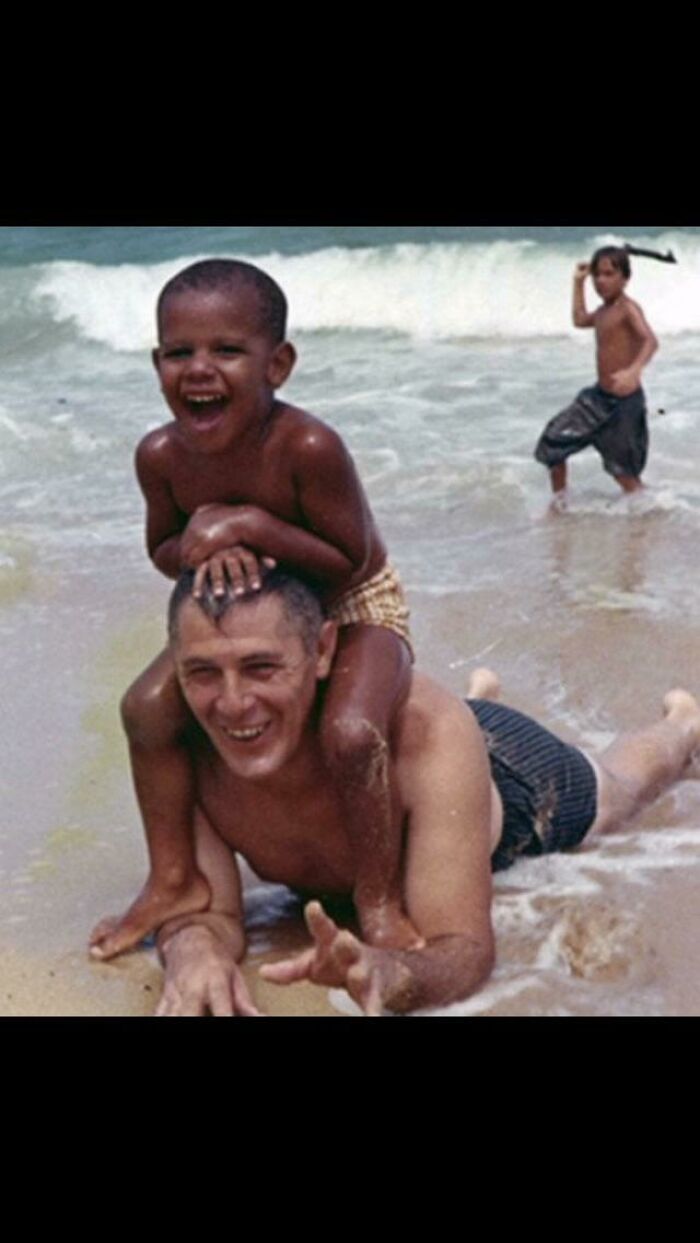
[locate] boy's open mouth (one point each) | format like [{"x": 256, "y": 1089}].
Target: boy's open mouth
[{"x": 204, "y": 408}]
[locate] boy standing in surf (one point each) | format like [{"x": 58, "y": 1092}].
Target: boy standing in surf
[
  {"x": 612, "y": 414},
  {"x": 239, "y": 478}
]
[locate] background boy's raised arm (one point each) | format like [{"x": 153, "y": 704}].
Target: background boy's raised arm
[{"x": 581, "y": 316}]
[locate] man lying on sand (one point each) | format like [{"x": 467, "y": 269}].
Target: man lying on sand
[{"x": 477, "y": 786}]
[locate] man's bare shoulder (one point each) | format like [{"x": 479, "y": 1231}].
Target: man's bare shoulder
[{"x": 431, "y": 718}]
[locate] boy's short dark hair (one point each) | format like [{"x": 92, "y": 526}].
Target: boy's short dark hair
[
  {"x": 229, "y": 274},
  {"x": 301, "y": 603},
  {"x": 618, "y": 257}
]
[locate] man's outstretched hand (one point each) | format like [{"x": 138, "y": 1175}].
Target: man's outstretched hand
[{"x": 337, "y": 959}]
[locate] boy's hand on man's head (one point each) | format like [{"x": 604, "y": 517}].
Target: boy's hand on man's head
[{"x": 238, "y": 565}]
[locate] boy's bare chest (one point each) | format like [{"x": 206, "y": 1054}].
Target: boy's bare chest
[
  {"x": 612, "y": 325},
  {"x": 237, "y": 479}
]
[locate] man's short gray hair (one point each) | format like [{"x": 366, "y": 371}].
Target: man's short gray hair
[{"x": 302, "y": 606}]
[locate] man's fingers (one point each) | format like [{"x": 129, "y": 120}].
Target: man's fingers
[
  {"x": 242, "y": 999},
  {"x": 167, "y": 1006},
  {"x": 346, "y": 950},
  {"x": 193, "y": 1006},
  {"x": 221, "y": 1001},
  {"x": 320, "y": 925},
  {"x": 289, "y": 970},
  {"x": 170, "y": 1004},
  {"x": 364, "y": 986}
]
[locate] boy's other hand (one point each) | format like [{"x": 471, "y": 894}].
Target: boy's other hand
[
  {"x": 211, "y": 529},
  {"x": 582, "y": 271},
  {"x": 624, "y": 382},
  {"x": 241, "y": 566}
]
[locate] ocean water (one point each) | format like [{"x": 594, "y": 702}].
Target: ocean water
[{"x": 438, "y": 354}]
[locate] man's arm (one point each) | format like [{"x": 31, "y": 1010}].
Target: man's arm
[
  {"x": 444, "y": 776},
  {"x": 581, "y": 316},
  {"x": 201, "y": 952}
]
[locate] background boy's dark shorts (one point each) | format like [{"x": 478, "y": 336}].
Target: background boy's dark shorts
[
  {"x": 616, "y": 426},
  {"x": 548, "y": 788}
]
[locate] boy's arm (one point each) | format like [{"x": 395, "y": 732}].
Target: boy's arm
[
  {"x": 334, "y": 544},
  {"x": 581, "y": 316},
  {"x": 164, "y": 520}
]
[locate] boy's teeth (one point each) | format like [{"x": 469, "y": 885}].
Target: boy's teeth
[{"x": 243, "y": 734}]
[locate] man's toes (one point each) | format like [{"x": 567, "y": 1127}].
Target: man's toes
[{"x": 113, "y": 939}]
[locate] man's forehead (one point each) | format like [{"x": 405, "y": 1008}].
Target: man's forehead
[{"x": 260, "y": 621}]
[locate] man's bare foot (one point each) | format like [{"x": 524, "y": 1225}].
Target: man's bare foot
[
  {"x": 484, "y": 684},
  {"x": 684, "y": 710},
  {"x": 151, "y": 908}
]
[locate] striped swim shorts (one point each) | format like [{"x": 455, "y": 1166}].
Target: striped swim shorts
[{"x": 548, "y": 788}]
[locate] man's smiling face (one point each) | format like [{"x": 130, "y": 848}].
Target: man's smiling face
[{"x": 250, "y": 681}]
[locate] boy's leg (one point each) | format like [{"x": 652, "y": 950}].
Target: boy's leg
[
  {"x": 637, "y": 767},
  {"x": 623, "y": 442},
  {"x": 629, "y": 483},
  {"x": 155, "y": 718},
  {"x": 574, "y": 428},
  {"x": 371, "y": 674}
]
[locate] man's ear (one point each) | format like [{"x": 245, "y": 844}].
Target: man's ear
[
  {"x": 327, "y": 643},
  {"x": 155, "y": 359},
  {"x": 281, "y": 364}
]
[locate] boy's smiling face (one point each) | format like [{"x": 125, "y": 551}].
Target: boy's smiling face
[{"x": 218, "y": 368}]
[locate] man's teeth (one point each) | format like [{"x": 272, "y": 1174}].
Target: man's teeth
[
  {"x": 244, "y": 735},
  {"x": 204, "y": 401}
]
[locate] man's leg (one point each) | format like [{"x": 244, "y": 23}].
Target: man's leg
[{"x": 637, "y": 767}]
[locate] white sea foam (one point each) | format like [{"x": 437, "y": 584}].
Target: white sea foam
[{"x": 498, "y": 289}]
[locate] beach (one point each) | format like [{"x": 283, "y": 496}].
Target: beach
[{"x": 440, "y": 389}]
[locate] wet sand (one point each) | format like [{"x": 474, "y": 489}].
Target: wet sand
[{"x": 70, "y": 841}]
